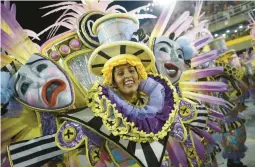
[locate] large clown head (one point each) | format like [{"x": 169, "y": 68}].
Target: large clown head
[
  {"x": 169, "y": 58},
  {"x": 40, "y": 83}
]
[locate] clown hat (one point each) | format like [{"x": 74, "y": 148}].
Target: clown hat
[
  {"x": 225, "y": 55},
  {"x": 219, "y": 44},
  {"x": 114, "y": 32}
]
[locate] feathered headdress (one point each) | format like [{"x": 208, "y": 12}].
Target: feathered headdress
[
  {"x": 73, "y": 11},
  {"x": 191, "y": 37},
  {"x": 15, "y": 39}
]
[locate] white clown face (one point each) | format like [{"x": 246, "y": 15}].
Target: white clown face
[
  {"x": 41, "y": 84},
  {"x": 169, "y": 58}
]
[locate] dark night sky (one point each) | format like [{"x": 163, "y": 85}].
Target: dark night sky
[{"x": 29, "y": 14}]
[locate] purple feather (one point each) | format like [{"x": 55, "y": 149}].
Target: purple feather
[
  {"x": 13, "y": 10},
  {"x": 204, "y": 55},
  {"x": 203, "y": 58},
  {"x": 202, "y": 73},
  {"x": 176, "y": 153},
  {"x": 204, "y": 134},
  {"x": 216, "y": 114},
  {"x": 7, "y": 4},
  {"x": 201, "y": 42},
  {"x": 199, "y": 146},
  {"x": 7, "y": 42},
  {"x": 7, "y": 16},
  {"x": 214, "y": 126}
]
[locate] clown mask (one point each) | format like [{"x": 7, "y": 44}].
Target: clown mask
[
  {"x": 42, "y": 84},
  {"x": 169, "y": 58}
]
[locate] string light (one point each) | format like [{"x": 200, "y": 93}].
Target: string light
[
  {"x": 163, "y": 2},
  {"x": 149, "y": 7}
]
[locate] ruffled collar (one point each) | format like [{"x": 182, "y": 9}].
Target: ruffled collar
[
  {"x": 145, "y": 108},
  {"x": 140, "y": 100},
  {"x": 139, "y": 123}
]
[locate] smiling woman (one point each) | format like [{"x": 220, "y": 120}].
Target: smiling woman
[{"x": 126, "y": 79}]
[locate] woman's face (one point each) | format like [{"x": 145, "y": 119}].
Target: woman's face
[{"x": 126, "y": 79}]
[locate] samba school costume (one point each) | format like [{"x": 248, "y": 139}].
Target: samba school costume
[
  {"x": 233, "y": 128},
  {"x": 70, "y": 114},
  {"x": 177, "y": 50}
]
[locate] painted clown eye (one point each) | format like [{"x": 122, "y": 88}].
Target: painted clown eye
[
  {"x": 163, "y": 50},
  {"x": 24, "y": 87},
  {"x": 41, "y": 67},
  {"x": 180, "y": 54}
]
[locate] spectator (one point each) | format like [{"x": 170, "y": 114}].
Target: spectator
[{"x": 231, "y": 9}]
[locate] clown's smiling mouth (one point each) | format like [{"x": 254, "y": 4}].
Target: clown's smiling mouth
[
  {"x": 51, "y": 91},
  {"x": 171, "y": 69}
]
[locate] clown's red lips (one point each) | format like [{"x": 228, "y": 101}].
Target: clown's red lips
[
  {"x": 51, "y": 90},
  {"x": 171, "y": 69}
]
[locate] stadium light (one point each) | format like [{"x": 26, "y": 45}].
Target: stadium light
[
  {"x": 227, "y": 31},
  {"x": 163, "y": 2},
  {"x": 241, "y": 26},
  {"x": 216, "y": 35},
  {"x": 235, "y": 30},
  {"x": 223, "y": 35}
]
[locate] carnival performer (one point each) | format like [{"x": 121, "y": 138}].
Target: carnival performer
[
  {"x": 234, "y": 133},
  {"x": 176, "y": 49}
]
